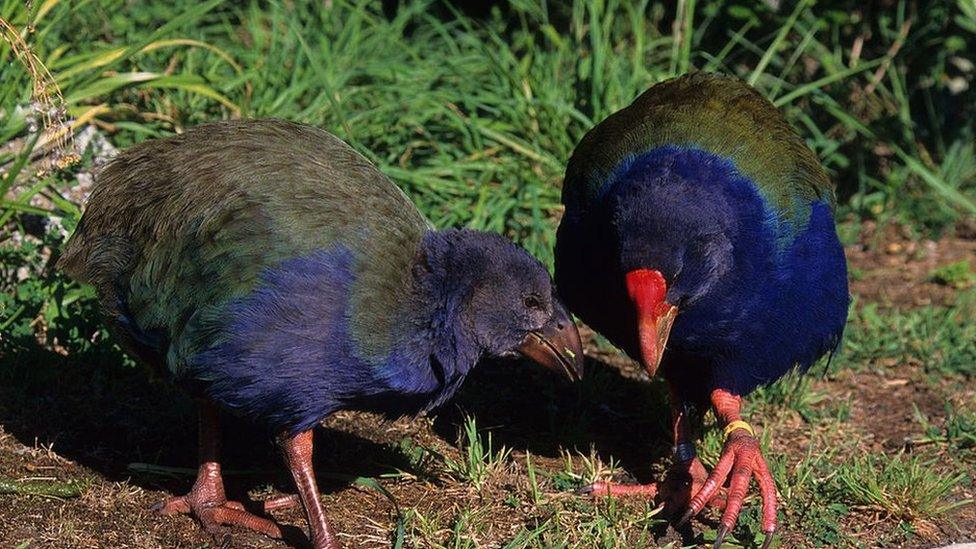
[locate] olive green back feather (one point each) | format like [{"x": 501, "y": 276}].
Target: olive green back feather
[
  {"x": 177, "y": 225},
  {"x": 722, "y": 115}
]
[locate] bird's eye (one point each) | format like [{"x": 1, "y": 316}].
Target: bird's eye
[{"x": 532, "y": 302}]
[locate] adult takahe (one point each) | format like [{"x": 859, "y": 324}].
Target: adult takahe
[{"x": 699, "y": 237}]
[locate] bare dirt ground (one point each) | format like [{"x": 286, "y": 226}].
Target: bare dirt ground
[
  {"x": 893, "y": 270},
  {"x": 51, "y": 429}
]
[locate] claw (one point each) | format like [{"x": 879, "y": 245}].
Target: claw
[
  {"x": 720, "y": 536},
  {"x": 768, "y": 541},
  {"x": 685, "y": 518},
  {"x": 585, "y": 490}
]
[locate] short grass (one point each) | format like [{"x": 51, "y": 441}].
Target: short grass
[
  {"x": 479, "y": 458},
  {"x": 939, "y": 339},
  {"x": 474, "y": 112}
]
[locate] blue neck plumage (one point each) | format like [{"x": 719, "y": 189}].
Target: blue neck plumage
[
  {"x": 758, "y": 292},
  {"x": 436, "y": 350},
  {"x": 679, "y": 211}
]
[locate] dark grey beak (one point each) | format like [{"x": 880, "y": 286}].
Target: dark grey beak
[{"x": 556, "y": 345}]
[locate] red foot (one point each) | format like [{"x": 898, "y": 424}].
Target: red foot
[
  {"x": 206, "y": 502},
  {"x": 742, "y": 458},
  {"x": 674, "y": 492}
]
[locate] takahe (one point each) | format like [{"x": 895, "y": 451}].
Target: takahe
[
  {"x": 275, "y": 273},
  {"x": 699, "y": 237}
]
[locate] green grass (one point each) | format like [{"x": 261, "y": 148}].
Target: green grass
[
  {"x": 941, "y": 339},
  {"x": 908, "y": 488},
  {"x": 959, "y": 275},
  {"x": 479, "y": 458},
  {"x": 475, "y": 116},
  {"x": 804, "y": 486},
  {"x": 958, "y": 430}
]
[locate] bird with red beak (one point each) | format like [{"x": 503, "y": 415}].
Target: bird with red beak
[
  {"x": 699, "y": 238},
  {"x": 655, "y": 316}
]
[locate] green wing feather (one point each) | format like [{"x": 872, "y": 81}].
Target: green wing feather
[
  {"x": 177, "y": 225},
  {"x": 719, "y": 114}
]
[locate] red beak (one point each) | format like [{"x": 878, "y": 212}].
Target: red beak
[{"x": 647, "y": 290}]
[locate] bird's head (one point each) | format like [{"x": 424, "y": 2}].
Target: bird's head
[
  {"x": 674, "y": 247},
  {"x": 501, "y": 299}
]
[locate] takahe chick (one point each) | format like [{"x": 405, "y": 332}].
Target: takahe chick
[
  {"x": 699, "y": 237},
  {"x": 275, "y": 273}
]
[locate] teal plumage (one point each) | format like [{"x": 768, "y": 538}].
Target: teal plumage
[
  {"x": 718, "y": 114},
  {"x": 166, "y": 238},
  {"x": 704, "y": 180},
  {"x": 699, "y": 237},
  {"x": 277, "y": 274}
]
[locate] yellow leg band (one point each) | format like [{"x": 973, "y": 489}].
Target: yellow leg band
[{"x": 738, "y": 424}]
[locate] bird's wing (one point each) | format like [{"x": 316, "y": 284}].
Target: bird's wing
[
  {"x": 722, "y": 115},
  {"x": 192, "y": 221}
]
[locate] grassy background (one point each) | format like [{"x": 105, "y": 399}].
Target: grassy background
[{"x": 474, "y": 111}]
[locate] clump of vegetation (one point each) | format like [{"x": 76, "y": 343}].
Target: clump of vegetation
[
  {"x": 959, "y": 275},
  {"x": 794, "y": 392},
  {"x": 958, "y": 430},
  {"x": 908, "y": 488},
  {"x": 941, "y": 339},
  {"x": 479, "y": 458}
]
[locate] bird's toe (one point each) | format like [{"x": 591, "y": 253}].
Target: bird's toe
[
  {"x": 233, "y": 515},
  {"x": 281, "y": 502},
  {"x": 215, "y": 516},
  {"x": 173, "y": 505},
  {"x": 649, "y": 491}
]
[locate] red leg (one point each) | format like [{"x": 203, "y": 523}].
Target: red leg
[
  {"x": 297, "y": 450},
  {"x": 741, "y": 460},
  {"x": 687, "y": 473},
  {"x": 206, "y": 500}
]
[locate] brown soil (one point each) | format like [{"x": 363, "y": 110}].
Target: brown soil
[
  {"x": 895, "y": 270},
  {"x": 49, "y": 429}
]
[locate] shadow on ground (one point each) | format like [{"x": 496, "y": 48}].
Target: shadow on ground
[
  {"x": 103, "y": 412},
  {"x": 528, "y": 409}
]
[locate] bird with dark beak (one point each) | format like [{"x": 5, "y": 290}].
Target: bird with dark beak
[{"x": 274, "y": 272}]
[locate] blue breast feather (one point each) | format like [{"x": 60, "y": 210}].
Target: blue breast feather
[
  {"x": 786, "y": 313},
  {"x": 283, "y": 355},
  {"x": 781, "y": 304}
]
